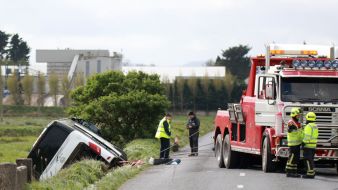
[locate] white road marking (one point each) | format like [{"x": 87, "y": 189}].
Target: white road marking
[
  {"x": 242, "y": 174},
  {"x": 240, "y": 186}
]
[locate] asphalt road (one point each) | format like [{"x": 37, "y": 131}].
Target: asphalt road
[{"x": 202, "y": 172}]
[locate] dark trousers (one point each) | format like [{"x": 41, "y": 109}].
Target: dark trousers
[
  {"x": 194, "y": 142},
  {"x": 293, "y": 160},
  {"x": 165, "y": 148},
  {"x": 309, "y": 154}
]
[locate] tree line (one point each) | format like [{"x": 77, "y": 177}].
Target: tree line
[
  {"x": 210, "y": 93},
  {"x": 193, "y": 93},
  {"x": 57, "y": 85},
  {"x": 202, "y": 94}
]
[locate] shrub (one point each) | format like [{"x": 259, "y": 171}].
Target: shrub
[{"x": 125, "y": 107}]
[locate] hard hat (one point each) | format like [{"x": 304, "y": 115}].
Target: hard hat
[
  {"x": 295, "y": 112},
  {"x": 310, "y": 116}
]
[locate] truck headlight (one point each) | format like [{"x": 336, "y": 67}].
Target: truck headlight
[{"x": 284, "y": 142}]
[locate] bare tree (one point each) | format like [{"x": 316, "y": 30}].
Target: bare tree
[
  {"x": 27, "y": 85},
  {"x": 65, "y": 88},
  {"x": 41, "y": 88},
  {"x": 166, "y": 85},
  {"x": 229, "y": 82},
  {"x": 180, "y": 90},
  {"x": 192, "y": 82},
  {"x": 205, "y": 85},
  {"x": 210, "y": 62},
  {"x": 218, "y": 83},
  {"x": 79, "y": 79},
  {"x": 1, "y": 94},
  {"x": 14, "y": 88},
  {"x": 53, "y": 82}
]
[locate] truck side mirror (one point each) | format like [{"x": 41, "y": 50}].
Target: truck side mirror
[{"x": 269, "y": 91}]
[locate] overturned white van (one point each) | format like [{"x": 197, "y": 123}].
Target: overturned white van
[{"x": 65, "y": 141}]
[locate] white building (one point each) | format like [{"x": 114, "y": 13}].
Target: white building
[
  {"x": 171, "y": 73},
  {"x": 70, "y": 62}
]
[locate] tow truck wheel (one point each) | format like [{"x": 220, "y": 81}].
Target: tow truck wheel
[
  {"x": 267, "y": 164},
  {"x": 230, "y": 157},
  {"x": 219, "y": 152}
]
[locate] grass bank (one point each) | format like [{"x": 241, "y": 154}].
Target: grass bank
[{"x": 77, "y": 177}]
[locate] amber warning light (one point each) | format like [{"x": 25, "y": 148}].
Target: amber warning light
[{"x": 293, "y": 52}]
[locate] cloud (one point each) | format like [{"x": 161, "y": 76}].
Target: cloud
[{"x": 169, "y": 31}]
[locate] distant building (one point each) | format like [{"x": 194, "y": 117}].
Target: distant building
[
  {"x": 70, "y": 62},
  {"x": 168, "y": 73}
]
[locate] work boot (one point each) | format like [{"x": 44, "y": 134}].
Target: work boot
[
  {"x": 292, "y": 175},
  {"x": 308, "y": 176},
  {"x": 191, "y": 154},
  {"x": 151, "y": 161}
]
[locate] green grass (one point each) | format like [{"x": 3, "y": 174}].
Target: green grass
[
  {"x": 33, "y": 111},
  {"x": 142, "y": 149},
  {"x": 17, "y": 135},
  {"x": 114, "y": 179},
  {"x": 146, "y": 148},
  {"x": 12, "y": 148},
  {"x": 76, "y": 177},
  {"x": 179, "y": 127}
]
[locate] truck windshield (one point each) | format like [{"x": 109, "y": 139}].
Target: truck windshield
[{"x": 302, "y": 89}]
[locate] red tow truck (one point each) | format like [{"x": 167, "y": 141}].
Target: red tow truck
[{"x": 287, "y": 76}]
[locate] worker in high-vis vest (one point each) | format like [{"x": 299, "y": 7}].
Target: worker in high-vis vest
[
  {"x": 310, "y": 136},
  {"x": 163, "y": 133},
  {"x": 294, "y": 139}
]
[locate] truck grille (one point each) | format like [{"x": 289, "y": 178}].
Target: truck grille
[
  {"x": 327, "y": 123},
  {"x": 325, "y": 128}
]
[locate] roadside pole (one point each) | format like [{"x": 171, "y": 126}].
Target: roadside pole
[{"x": 1, "y": 93}]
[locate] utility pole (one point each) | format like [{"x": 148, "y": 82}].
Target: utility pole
[{"x": 1, "y": 93}]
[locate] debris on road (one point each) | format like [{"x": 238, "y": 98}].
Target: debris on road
[{"x": 166, "y": 161}]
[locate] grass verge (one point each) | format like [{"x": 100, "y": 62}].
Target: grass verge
[
  {"x": 77, "y": 177},
  {"x": 115, "y": 178}
]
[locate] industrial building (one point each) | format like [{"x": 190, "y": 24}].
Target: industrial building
[
  {"x": 87, "y": 62},
  {"x": 71, "y": 62},
  {"x": 169, "y": 74}
]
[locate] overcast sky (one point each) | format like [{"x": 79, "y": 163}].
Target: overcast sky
[{"x": 171, "y": 32}]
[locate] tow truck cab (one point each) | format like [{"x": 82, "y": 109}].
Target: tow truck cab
[{"x": 285, "y": 79}]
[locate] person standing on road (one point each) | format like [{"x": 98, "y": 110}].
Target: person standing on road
[
  {"x": 164, "y": 133},
  {"x": 193, "y": 125},
  {"x": 294, "y": 139},
  {"x": 310, "y": 136}
]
